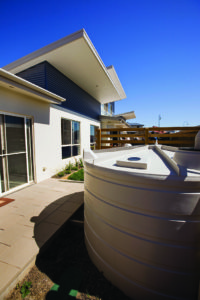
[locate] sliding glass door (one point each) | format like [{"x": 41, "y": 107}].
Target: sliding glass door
[{"x": 15, "y": 151}]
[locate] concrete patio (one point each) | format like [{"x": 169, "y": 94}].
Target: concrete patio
[{"x": 28, "y": 222}]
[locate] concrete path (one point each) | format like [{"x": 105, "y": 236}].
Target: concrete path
[{"x": 36, "y": 213}]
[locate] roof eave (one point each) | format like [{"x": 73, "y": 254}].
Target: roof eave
[
  {"x": 83, "y": 66},
  {"x": 14, "y": 82}
]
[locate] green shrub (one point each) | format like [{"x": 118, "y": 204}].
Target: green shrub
[
  {"x": 67, "y": 171},
  {"x": 61, "y": 174}
]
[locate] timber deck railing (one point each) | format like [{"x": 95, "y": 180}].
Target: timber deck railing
[{"x": 174, "y": 136}]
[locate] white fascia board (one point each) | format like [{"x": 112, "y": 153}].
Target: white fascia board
[
  {"x": 94, "y": 51},
  {"x": 113, "y": 74},
  {"x": 13, "y": 81},
  {"x": 127, "y": 115},
  {"x": 113, "y": 92},
  {"x": 12, "y": 67}
]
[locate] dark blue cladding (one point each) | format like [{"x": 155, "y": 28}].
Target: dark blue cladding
[
  {"x": 49, "y": 78},
  {"x": 35, "y": 74}
]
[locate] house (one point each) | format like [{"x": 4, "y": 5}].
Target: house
[
  {"x": 136, "y": 125},
  {"x": 50, "y": 104}
]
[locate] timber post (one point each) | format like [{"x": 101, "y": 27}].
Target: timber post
[{"x": 98, "y": 135}]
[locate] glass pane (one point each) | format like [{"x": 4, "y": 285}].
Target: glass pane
[
  {"x": 66, "y": 152},
  {"x": 75, "y": 132},
  {"x": 2, "y": 190},
  {"x": 106, "y": 108},
  {"x": 75, "y": 150},
  {"x": 111, "y": 109},
  {"x": 17, "y": 171},
  {"x": 92, "y": 133},
  {"x": 29, "y": 148},
  {"x": 15, "y": 134},
  {"x": 66, "y": 131}
]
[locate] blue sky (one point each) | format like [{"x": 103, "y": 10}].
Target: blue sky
[{"x": 154, "y": 46}]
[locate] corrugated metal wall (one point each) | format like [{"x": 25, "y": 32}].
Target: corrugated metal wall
[
  {"x": 48, "y": 77},
  {"x": 35, "y": 74}
]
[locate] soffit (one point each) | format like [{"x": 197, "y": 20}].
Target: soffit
[
  {"x": 127, "y": 115},
  {"x": 76, "y": 57}
]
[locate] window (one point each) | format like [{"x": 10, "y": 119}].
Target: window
[
  {"x": 92, "y": 137},
  {"x": 70, "y": 134},
  {"x": 107, "y": 109}
]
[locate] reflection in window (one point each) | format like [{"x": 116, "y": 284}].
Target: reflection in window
[
  {"x": 17, "y": 170},
  {"x": 66, "y": 131},
  {"x": 70, "y": 134},
  {"x": 75, "y": 132},
  {"x": 2, "y": 176},
  {"x": 15, "y": 134},
  {"x": 92, "y": 137},
  {"x": 107, "y": 109}
]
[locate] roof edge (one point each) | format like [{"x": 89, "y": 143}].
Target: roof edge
[
  {"x": 48, "y": 48},
  {"x": 19, "y": 82},
  {"x": 95, "y": 52}
]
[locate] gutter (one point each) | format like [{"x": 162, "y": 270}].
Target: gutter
[{"x": 13, "y": 81}]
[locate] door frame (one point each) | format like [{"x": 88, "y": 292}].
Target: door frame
[{"x": 4, "y": 156}]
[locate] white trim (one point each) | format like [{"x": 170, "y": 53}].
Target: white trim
[
  {"x": 19, "y": 187},
  {"x": 78, "y": 49},
  {"x": 64, "y": 109},
  {"x": 44, "y": 50},
  {"x": 71, "y": 145},
  {"x": 13, "y": 81},
  {"x": 4, "y": 157}
]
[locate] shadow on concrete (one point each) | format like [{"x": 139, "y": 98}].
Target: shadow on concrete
[
  {"x": 64, "y": 259},
  {"x": 54, "y": 216}
]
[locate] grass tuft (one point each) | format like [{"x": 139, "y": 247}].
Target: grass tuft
[{"x": 77, "y": 175}]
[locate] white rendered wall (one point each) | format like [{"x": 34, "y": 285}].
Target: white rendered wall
[
  {"x": 46, "y": 129},
  {"x": 53, "y": 157}
]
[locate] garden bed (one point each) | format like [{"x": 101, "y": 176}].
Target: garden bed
[{"x": 72, "y": 171}]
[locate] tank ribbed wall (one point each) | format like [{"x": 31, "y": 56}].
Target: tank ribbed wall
[{"x": 143, "y": 234}]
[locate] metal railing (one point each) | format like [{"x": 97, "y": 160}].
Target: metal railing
[{"x": 174, "y": 136}]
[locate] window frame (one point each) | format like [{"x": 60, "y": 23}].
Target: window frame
[{"x": 70, "y": 145}]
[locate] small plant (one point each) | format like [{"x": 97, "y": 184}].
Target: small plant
[
  {"x": 25, "y": 288},
  {"x": 77, "y": 164},
  {"x": 81, "y": 162},
  {"x": 74, "y": 168},
  {"x": 69, "y": 166},
  {"x": 67, "y": 172},
  {"x": 61, "y": 174}
]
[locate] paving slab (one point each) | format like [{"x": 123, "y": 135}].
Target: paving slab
[{"x": 27, "y": 223}]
